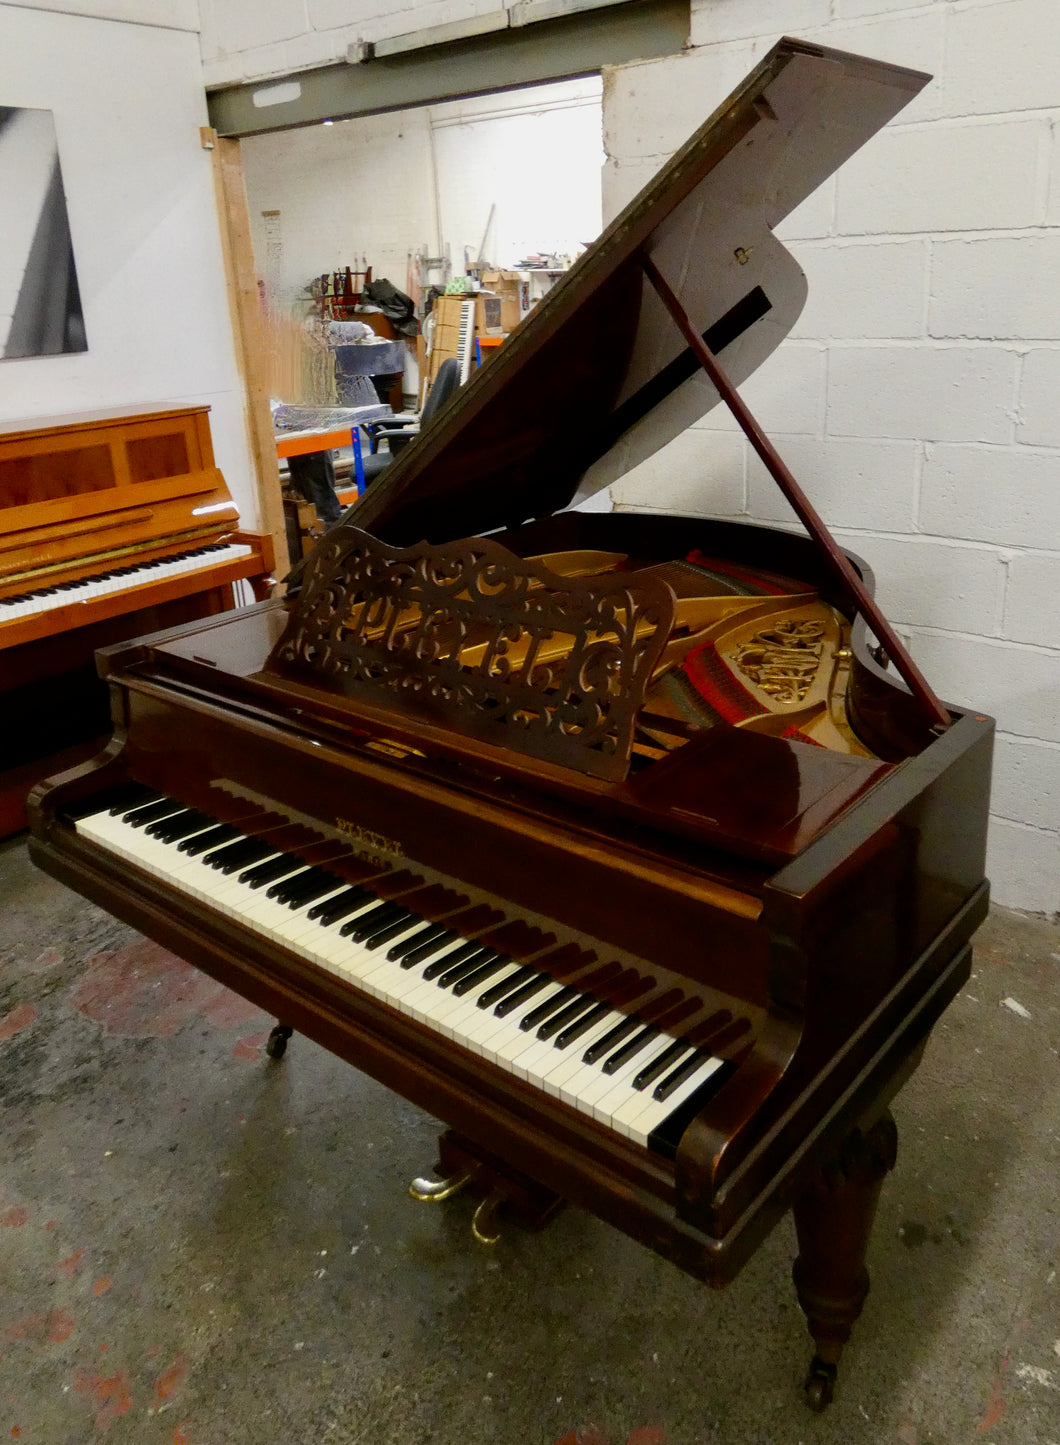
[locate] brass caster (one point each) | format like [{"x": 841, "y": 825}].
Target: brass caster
[
  {"x": 433, "y": 1191},
  {"x": 484, "y": 1221},
  {"x": 820, "y": 1384}
]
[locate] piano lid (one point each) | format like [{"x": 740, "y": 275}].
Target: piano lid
[{"x": 598, "y": 377}]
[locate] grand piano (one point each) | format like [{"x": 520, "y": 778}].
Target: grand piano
[{"x": 634, "y": 848}]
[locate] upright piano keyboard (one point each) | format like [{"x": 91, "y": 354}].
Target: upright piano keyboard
[{"x": 634, "y": 848}]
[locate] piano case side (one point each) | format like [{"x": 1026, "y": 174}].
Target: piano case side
[{"x": 870, "y": 932}]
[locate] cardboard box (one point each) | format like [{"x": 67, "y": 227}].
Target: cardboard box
[
  {"x": 488, "y": 307},
  {"x": 512, "y": 290}
]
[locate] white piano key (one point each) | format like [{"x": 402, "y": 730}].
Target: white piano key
[
  {"x": 562, "y": 1073},
  {"x": 622, "y": 1088},
  {"x": 638, "y": 1125},
  {"x": 75, "y": 595}
]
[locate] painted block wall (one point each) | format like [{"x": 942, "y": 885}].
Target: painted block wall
[
  {"x": 380, "y": 185},
  {"x": 274, "y": 37},
  {"x": 917, "y": 398},
  {"x": 143, "y": 218}
]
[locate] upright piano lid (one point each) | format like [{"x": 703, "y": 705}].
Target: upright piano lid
[{"x": 598, "y": 377}]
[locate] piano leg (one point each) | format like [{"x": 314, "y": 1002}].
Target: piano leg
[
  {"x": 833, "y": 1220},
  {"x": 276, "y": 1046}
]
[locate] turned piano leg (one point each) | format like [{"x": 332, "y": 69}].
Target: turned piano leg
[
  {"x": 833, "y": 1221},
  {"x": 276, "y": 1045}
]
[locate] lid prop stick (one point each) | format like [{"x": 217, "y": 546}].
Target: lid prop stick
[{"x": 800, "y": 503}]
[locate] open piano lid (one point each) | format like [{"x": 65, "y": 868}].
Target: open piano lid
[{"x": 599, "y": 377}]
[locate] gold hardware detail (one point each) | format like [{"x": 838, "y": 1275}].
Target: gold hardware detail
[
  {"x": 434, "y": 1191},
  {"x": 743, "y": 254},
  {"x": 484, "y": 1222},
  {"x": 782, "y": 660},
  {"x": 365, "y": 835}
]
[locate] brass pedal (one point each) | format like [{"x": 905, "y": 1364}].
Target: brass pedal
[
  {"x": 484, "y": 1221},
  {"x": 434, "y": 1191}
]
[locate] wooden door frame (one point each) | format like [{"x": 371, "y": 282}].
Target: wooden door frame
[{"x": 244, "y": 304}]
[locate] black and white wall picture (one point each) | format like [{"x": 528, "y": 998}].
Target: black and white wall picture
[{"x": 40, "y": 306}]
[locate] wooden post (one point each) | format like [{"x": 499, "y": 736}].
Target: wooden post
[{"x": 245, "y": 309}]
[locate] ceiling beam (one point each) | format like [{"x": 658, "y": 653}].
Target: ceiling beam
[{"x": 500, "y": 59}]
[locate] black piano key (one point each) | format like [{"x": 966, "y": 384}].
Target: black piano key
[
  {"x": 515, "y": 1000},
  {"x": 304, "y": 887},
  {"x": 132, "y": 795},
  {"x": 627, "y": 1051},
  {"x": 278, "y": 889},
  {"x": 426, "y": 950},
  {"x": 559, "y": 1021},
  {"x": 201, "y": 843},
  {"x": 660, "y": 1064},
  {"x": 469, "y": 966},
  {"x": 611, "y": 1039},
  {"x": 506, "y": 986},
  {"x": 370, "y": 922},
  {"x": 238, "y": 854},
  {"x": 151, "y": 812},
  {"x": 479, "y": 975},
  {"x": 270, "y": 871},
  {"x": 543, "y": 1011},
  {"x": 320, "y": 887},
  {"x": 179, "y": 825},
  {"x": 330, "y": 910},
  {"x": 408, "y": 945},
  {"x": 450, "y": 960},
  {"x": 676, "y": 1077},
  {"x": 665, "y": 1137},
  {"x": 575, "y": 1030},
  {"x": 390, "y": 931}
]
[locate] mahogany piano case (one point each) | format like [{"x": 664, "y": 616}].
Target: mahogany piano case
[{"x": 632, "y": 847}]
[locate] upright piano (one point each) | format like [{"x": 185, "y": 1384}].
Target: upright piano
[
  {"x": 634, "y": 848},
  {"x": 111, "y": 525}
]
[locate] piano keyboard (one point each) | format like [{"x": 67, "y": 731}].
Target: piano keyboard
[
  {"x": 118, "y": 579},
  {"x": 465, "y": 344},
  {"x": 608, "y": 1049}
]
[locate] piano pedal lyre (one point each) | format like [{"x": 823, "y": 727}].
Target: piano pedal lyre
[
  {"x": 462, "y": 1165},
  {"x": 276, "y": 1045}
]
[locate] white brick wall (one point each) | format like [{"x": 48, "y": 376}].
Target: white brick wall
[
  {"x": 241, "y": 41},
  {"x": 918, "y": 399}
]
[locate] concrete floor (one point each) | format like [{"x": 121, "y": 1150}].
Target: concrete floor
[{"x": 201, "y": 1246}]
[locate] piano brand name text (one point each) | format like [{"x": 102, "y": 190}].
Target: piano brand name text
[{"x": 376, "y": 841}]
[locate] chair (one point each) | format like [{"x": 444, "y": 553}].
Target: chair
[{"x": 397, "y": 433}]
